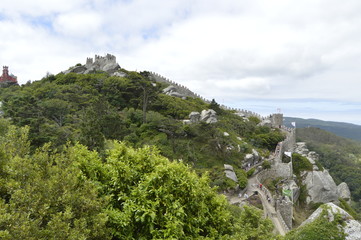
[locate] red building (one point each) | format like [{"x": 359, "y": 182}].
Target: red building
[{"x": 6, "y": 78}]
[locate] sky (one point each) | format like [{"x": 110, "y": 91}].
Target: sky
[{"x": 302, "y": 58}]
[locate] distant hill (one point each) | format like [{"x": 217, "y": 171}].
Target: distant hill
[{"x": 346, "y": 130}]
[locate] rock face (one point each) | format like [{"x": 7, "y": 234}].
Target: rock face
[
  {"x": 301, "y": 148},
  {"x": 194, "y": 117},
  {"x": 352, "y": 227},
  {"x": 251, "y": 158},
  {"x": 107, "y": 64},
  {"x": 320, "y": 187},
  {"x": 343, "y": 191},
  {"x": 172, "y": 91},
  {"x": 208, "y": 116},
  {"x": 353, "y": 230},
  {"x": 229, "y": 171}
]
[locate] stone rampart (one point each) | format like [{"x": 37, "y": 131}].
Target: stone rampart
[
  {"x": 186, "y": 92},
  {"x": 285, "y": 209}
]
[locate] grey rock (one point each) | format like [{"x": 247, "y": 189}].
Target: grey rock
[
  {"x": 321, "y": 187},
  {"x": 343, "y": 191},
  {"x": 175, "y": 94},
  {"x": 186, "y": 121},
  {"x": 228, "y": 167},
  {"x": 119, "y": 74},
  {"x": 315, "y": 168},
  {"x": 230, "y": 173},
  {"x": 352, "y": 227},
  {"x": 110, "y": 67},
  {"x": 208, "y": 116},
  {"x": 301, "y": 148},
  {"x": 194, "y": 117},
  {"x": 168, "y": 89},
  {"x": 353, "y": 230},
  {"x": 255, "y": 155},
  {"x": 79, "y": 69},
  {"x": 249, "y": 158},
  {"x": 332, "y": 209}
]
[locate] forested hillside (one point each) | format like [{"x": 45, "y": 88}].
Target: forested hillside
[
  {"x": 341, "y": 156},
  {"x": 64, "y": 173},
  {"x": 341, "y": 129}
]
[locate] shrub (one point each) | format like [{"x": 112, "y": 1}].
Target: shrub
[
  {"x": 266, "y": 164},
  {"x": 250, "y": 172},
  {"x": 242, "y": 178},
  {"x": 300, "y": 163}
]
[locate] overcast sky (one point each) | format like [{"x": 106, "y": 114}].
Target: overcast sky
[{"x": 303, "y": 57}]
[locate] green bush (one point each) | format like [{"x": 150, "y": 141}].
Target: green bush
[
  {"x": 345, "y": 206},
  {"x": 319, "y": 229},
  {"x": 250, "y": 172},
  {"x": 242, "y": 178},
  {"x": 266, "y": 164},
  {"x": 300, "y": 163}
]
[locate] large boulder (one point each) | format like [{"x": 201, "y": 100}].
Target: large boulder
[
  {"x": 343, "y": 191},
  {"x": 229, "y": 171},
  {"x": 119, "y": 74},
  {"x": 256, "y": 156},
  {"x": 209, "y": 116},
  {"x": 169, "y": 89},
  {"x": 194, "y": 117},
  {"x": 352, "y": 227},
  {"x": 320, "y": 187},
  {"x": 249, "y": 158},
  {"x": 110, "y": 67}
]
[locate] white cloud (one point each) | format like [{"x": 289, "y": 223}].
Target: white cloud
[
  {"x": 79, "y": 24},
  {"x": 234, "y": 50}
]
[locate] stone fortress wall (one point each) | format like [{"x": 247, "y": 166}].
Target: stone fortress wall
[
  {"x": 187, "y": 92},
  {"x": 284, "y": 208}
]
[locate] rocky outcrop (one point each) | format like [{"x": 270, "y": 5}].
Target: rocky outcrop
[
  {"x": 251, "y": 158},
  {"x": 301, "y": 148},
  {"x": 353, "y": 230},
  {"x": 172, "y": 91},
  {"x": 208, "y": 116},
  {"x": 352, "y": 227},
  {"x": 194, "y": 117},
  {"x": 343, "y": 191},
  {"x": 229, "y": 171},
  {"x": 320, "y": 187}
]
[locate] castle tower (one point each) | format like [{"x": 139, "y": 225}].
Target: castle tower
[
  {"x": 5, "y": 78},
  {"x": 5, "y": 71},
  {"x": 277, "y": 120}
]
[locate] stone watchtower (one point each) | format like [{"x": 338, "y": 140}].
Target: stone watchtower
[
  {"x": 7, "y": 78},
  {"x": 277, "y": 120}
]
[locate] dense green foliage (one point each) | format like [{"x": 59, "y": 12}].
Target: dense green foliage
[
  {"x": 320, "y": 229},
  {"x": 93, "y": 108},
  {"x": 125, "y": 194},
  {"x": 300, "y": 163},
  {"x": 64, "y": 174},
  {"x": 341, "y": 156}
]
